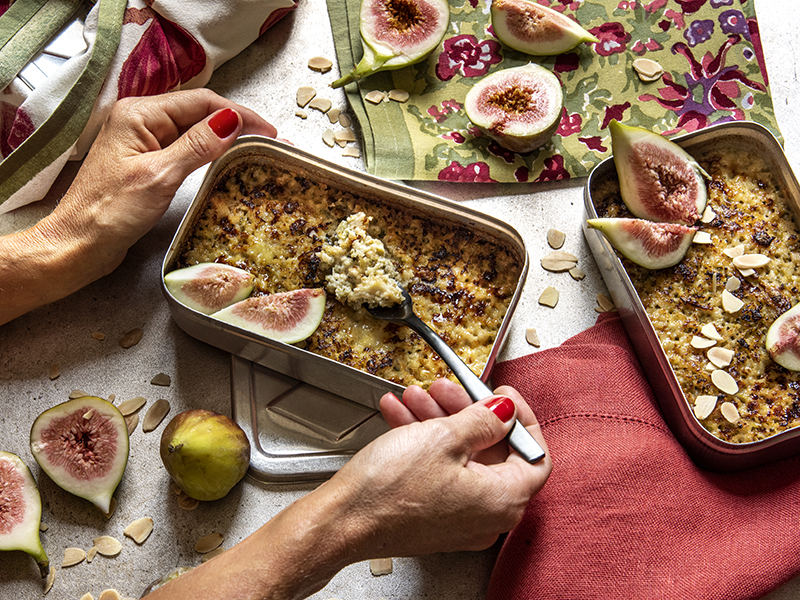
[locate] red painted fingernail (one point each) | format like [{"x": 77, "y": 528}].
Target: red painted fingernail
[
  {"x": 502, "y": 407},
  {"x": 224, "y": 122}
]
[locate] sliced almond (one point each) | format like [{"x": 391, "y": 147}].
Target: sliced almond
[
  {"x": 88, "y": 414},
  {"x": 109, "y": 594},
  {"x": 730, "y": 302},
  {"x": 99, "y": 336},
  {"x": 720, "y": 357},
  {"x": 323, "y": 105},
  {"x": 107, "y": 545},
  {"x": 73, "y": 556},
  {"x": 562, "y": 255},
  {"x": 724, "y": 382},
  {"x": 711, "y": 332},
  {"x": 131, "y": 338},
  {"x": 605, "y": 303},
  {"x": 734, "y": 251},
  {"x": 702, "y": 237},
  {"x": 155, "y": 414},
  {"x": 381, "y": 566},
  {"x": 131, "y": 421},
  {"x": 708, "y": 215},
  {"x": 549, "y": 297},
  {"x": 701, "y": 342},
  {"x": 43, "y": 527},
  {"x": 399, "y": 95},
  {"x": 77, "y": 394},
  {"x": 161, "y": 379},
  {"x": 305, "y": 95},
  {"x": 90, "y": 554},
  {"x": 732, "y": 284},
  {"x": 209, "y": 542},
  {"x": 577, "y": 273},
  {"x": 333, "y": 115},
  {"x": 209, "y": 555},
  {"x": 344, "y": 120},
  {"x": 375, "y": 97},
  {"x": 532, "y": 337},
  {"x": 747, "y": 272},
  {"x": 351, "y": 152},
  {"x": 301, "y": 113},
  {"x": 131, "y": 406},
  {"x": 51, "y": 577},
  {"x": 729, "y": 411},
  {"x": 556, "y": 238},
  {"x": 87, "y": 596},
  {"x": 555, "y": 265},
  {"x": 54, "y": 372},
  {"x": 329, "y": 137},
  {"x": 345, "y": 135},
  {"x": 751, "y": 261},
  {"x": 648, "y": 70},
  {"x": 320, "y": 64},
  {"x": 139, "y": 530},
  {"x": 704, "y": 406},
  {"x": 710, "y": 367},
  {"x": 111, "y": 398},
  {"x": 187, "y": 502}
]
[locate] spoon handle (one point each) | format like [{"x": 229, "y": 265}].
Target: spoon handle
[{"x": 519, "y": 438}]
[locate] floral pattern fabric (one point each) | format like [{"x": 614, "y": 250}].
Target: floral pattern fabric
[{"x": 709, "y": 50}]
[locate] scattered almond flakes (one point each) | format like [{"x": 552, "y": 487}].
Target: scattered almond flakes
[
  {"x": 77, "y": 394},
  {"x": 329, "y": 137},
  {"x": 345, "y": 135},
  {"x": 711, "y": 332},
  {"x": 43, "y": 527},
  {"x": 351, "y": 152},
  {"x": 729, "y": 411},
  {"x": 87, "y": 596},
  {"x": 708, "y": 215},
  {"x": 54, "y": 372},
  {"x": 375, "y": 97},
  {"x": 91, "y": 554},
  {"x": 139, "y": 530},
  {"x": 111, "y": 398},
  {"x": 720, "y": 357},
  {"x": 209, "y": 555},
  {"x": 333, "y": 115},
  {"x": 605, "y": 303},
  {"x": 344, "y": 120},
  {"x": 51, "y": 577},
  {"x": 751, "y": 261},
  {"x": 730, "y": 302},
  {"x": 733, "y": 284},
  {"x": 131, "y": 421},
  {"x": 88, "y": 414},
  {"x": 73, "y": 556},
  {"x": 577, "y": 273},
  {"x": 131, "y": 338},
  {"x": 107, "y": 545},
  {"x": 556, "y": 266},
  {"x": 186, "y": 502},
  {"x": 701, "y": 342},
  {"x": 109, "y": 594},
  {"x": 99, "y": 336},
  {"x": 305, "y": 95},
  {"x": 532, "y": 337},
  {"x": 301, "y": 113},
  {"x": 155, "y": 414},
  {"x": 381, "y": 566},
  {"x": 549, "y": 297},
  {"x": 702, "y": 237},
  {"x": 323, "y": 105},
  {"x": 724, "y": 382},
  {"x": 209, "y": 542},
  {"x": 131, "y": 406},
  {"x": 399, "y": 95},
  {"x": 320, "y": 64},
  {"x": 704, "y": 406},
  {"x": 555, "y": 238},
  {"x": 161, "y": 379},
  {"x": 734, "y": 251},
  {"x": 648, "y": 70},
  {"x": 746, "y": 272}
]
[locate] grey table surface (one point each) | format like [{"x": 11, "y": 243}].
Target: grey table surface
[{"x": 265, "y": 77}]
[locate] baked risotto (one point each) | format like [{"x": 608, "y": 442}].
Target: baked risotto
[
  {"x": 275, "y": 224},
  {"x": 747, "y": 214}
]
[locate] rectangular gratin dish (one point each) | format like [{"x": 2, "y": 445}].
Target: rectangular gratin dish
[
  {"x": 707, "y": 450},
  {"x": 298, "y": 363}
]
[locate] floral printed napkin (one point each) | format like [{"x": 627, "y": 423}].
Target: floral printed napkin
[{"x": 709, "y": 49}]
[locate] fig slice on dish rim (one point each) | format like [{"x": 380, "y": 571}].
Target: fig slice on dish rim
[
  {"x": 648, "y": 244},
  {"x": 397, "y": 33},
  {"x": 20, "y": 510},
  {"x": 288, "y": 317},
  {"x": 520, "y": 107},
  {"x": 209, "y": 287},
  {"x": 658, "y": 179},
  {"x": 82, "y": 445},
  {"x": 783, "y": 339},
  {"x": 529, "y": 27}
]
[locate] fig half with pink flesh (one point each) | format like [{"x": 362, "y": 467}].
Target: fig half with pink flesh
[
  {"x": 520, "y": 107},
  {"x": 20, "y": 510},
  {"x": 783, "y": 339},
  {"x": 82, "y": 445},
  {"x": 209, "y": 287},
  {"x": 534, "y": 29},
  {"x": 397, "y": 33},
  {"x": 288, "y": 317},
  {"x": 658, "y": 179},
  {"x": 648, "y": 244}
]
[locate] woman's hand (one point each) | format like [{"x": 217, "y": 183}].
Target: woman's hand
[{"x": 144, "y": 151}]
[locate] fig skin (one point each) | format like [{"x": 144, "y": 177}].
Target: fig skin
[
  {"x": 287, "y": 317},
  {"x": 783, "y": 339},
  {"x": 205, "y": 453},
  {"x": 529, "y": 27},
  {"x": 20, "y": 500},
  {"x": 520, "y": 107},
  {"x": 658, "y": 179},
  {"x": 209, "y": 287},
  {"x": 91, "y": 464},
  {"x": 648, "y": 244},
  {"x": 397, "y": 33}
]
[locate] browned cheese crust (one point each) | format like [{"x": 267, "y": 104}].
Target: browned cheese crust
[
  {"x": 273, "y": 223},
  {"x": 680, "y": 300}
]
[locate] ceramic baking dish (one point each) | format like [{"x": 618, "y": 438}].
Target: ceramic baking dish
[
  {"x": 298, "y": 363},
  {"x": 705, "y": 449}
]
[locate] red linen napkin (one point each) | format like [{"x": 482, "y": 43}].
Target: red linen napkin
[{"x": 626, "y": 514}]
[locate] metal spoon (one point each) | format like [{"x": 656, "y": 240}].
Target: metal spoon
[{"x": 519, "y": 438}]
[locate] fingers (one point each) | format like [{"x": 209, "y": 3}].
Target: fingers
[{"x": 445, "y": 398}]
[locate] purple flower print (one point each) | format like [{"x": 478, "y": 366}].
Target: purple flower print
[
  {"x": 466, "y": 54},
  {"x": 699, "y": 32},
  {"x": 733, "y": 21},
  {"x": 477, "y": 172},
  {"x": 553, "y": 169},
  {"x": 448, "y": 107},
  {"x": 455, "y": 137},
  {"x": 718, "y": 3},
  {"x": 613, "y": 38}
]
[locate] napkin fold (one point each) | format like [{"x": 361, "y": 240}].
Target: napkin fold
[{"x": 626, "y": 514}]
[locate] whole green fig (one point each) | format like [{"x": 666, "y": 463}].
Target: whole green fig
[{"x": 205, "y": 453}]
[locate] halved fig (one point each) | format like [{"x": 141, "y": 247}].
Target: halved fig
[
  {"x": 288, "y": 317},
  {"x": 20, "y": 510},
  {"x": 783, "y": 339},
  {"x": 519, "y": 108},
  {"x": 397, "y": 33},
  {"x": 658, "y": 180},
  {"x": 648, "y": 244},
  {"x": 209, "y": 287},
  {"x": 534, "y": 29},
  {"x": 82, "y": 445}
]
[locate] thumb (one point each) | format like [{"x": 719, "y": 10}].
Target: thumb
[{"x": 485, "y": 423}]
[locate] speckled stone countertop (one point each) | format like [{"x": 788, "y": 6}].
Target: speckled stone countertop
[{"x": 265, "y": 77}]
